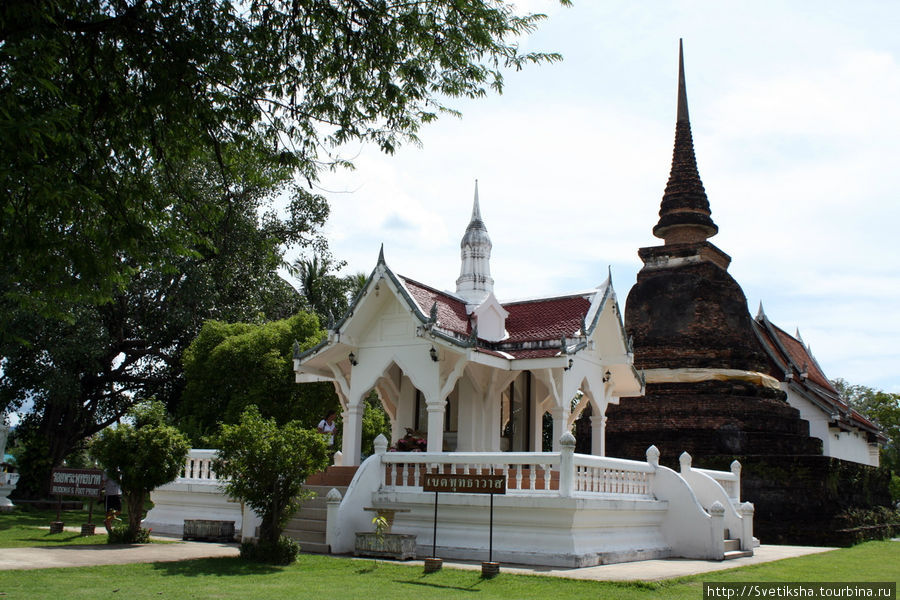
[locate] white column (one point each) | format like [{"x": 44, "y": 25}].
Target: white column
[
  {"x": 352, "y": 446},
  {"x": 467, "y": 416},
  {"x": 560, "y": 425},
  {"x": 435, "y": 426},
  {"x": 598, "y": 435}
]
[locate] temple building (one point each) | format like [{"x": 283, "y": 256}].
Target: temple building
[{"x": 468, "y": 372}]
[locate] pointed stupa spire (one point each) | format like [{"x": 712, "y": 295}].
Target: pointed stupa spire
[
  {"x": 475, "y": 282},
  {"x": 684, "y": 215}
]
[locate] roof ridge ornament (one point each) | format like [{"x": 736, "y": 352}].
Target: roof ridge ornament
[
  {"x": 760, "y": 314},
  {"x": 381, "y": 255},
  {"x": 684, "y": 215},
  {"x": 475, "y": 283}
]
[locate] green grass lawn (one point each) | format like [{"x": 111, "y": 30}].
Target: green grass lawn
[
  {"x": 323, "y": 577},
  {"x": 23, "y": 528},
  {"x": 30, "y": 527}
]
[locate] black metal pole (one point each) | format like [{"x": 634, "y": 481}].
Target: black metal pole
[
  {"x": 491, "y": 538},
  {"x": 434, "y": 534}
]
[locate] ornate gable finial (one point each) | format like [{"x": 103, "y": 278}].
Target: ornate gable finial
[
  {"x": 583, "y": 325},
  {"x": 432, "y": 317},
  {"x": 684, "y": 215},
  {"x": 381, "y": 255},
  {"x": 296, "y": 349},
  {"x": 760, "y": 314},
  {"x": 797, "y": 335}
]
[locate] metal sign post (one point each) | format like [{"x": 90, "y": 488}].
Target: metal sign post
[{"x": 464, "y": 484}]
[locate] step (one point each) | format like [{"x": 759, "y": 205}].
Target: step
[
  {"x": 311, "y": 513},
  {"x": 315, "y": 548},
  {"x": 303, "y": 536},
  {"x": 306, "y": 524},
  {"x": 737, "y": 554},
  {"x": 732, "y": 545},
  {"x": 333, "y": 476}
]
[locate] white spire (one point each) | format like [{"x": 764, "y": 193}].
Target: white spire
[{"x": 475, "y": 282}]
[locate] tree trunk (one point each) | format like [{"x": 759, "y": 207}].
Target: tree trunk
[{"x": 135, "y": 503}]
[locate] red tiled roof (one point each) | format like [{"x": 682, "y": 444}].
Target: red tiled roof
[
  {"x": 528, "y": 321},
  {"x": 547, "y": 319},
  {"x": 796, "y": 356},
  {"x": 800, "y": 356},
  {"x": 451, "y": 311}
]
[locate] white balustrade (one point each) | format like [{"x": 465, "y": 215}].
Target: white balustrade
[
  {"x": 612, "y": 476},
  {"x": 198, "y": 466},
  {"x": 527, "y": 473},
  {"x": 730, "y": 481}
]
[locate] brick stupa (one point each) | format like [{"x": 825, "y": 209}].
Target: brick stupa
[
  {"x": 709, "y": 388},
  {"x": 708, "y": 392}
]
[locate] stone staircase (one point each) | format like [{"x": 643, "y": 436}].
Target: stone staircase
[
  {"x": 733, "y": 548},
  {"x": 307, "y": 526}
]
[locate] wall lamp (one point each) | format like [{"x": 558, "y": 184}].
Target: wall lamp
[
  {"x": 606, "y": 376},
  {"x": 352, "y": 358},
  {"x": 433, "y": 353}
]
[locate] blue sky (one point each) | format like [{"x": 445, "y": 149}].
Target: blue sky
[{"x": 795, "y": 109}]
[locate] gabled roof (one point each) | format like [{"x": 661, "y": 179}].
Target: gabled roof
[
  {"x": 537, "y": 328},
  {"x": 793, "y": 363}
]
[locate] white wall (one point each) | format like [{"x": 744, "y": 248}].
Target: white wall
[{"x": 852, "y": 446}]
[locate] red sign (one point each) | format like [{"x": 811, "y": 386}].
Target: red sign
[
  {"x": 465, "y": 484},
  {"x": 83, "y": 483}
]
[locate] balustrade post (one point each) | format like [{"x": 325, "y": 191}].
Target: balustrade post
[
  {"x": 380, "y": 445},
  {"x": 736, "y": 470},
  {"x": 333, "y": 504},
  {"x": 566, "y": 465},
  {"x": 747, "y": 510},
  {"x": 685, "y": 460},
  {"x": 717, "y": 530}
]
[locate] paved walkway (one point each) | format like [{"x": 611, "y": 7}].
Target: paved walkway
[
  {"x": 103, "y": 554},
  {"x": 655, "y": 570},
  {"x": 648, "y": 570}
]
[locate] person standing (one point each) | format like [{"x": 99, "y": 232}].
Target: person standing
[{"x": 326, "y": 426}]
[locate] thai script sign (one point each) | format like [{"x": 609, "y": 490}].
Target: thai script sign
[
  {"x": 466, "y": 484},
  {"x": 84, "y": 483}
]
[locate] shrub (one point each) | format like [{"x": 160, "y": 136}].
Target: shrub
[
  {"x": 265, "y": 466},
  {"x": 284, "y": 551},
  {"x": 122, "y": 534}
]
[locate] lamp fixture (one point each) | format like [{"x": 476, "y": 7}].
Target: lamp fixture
[
  {"x": 571, "y": 362},
  {"x": 606, "y": 376},
  {"x": 433, "y": 353},
  {"x": 352, "y": 359}
]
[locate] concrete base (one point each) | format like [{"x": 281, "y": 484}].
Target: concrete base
[
  {"x": 574, "y": 532},
  {"x": 174, "y": 503}
]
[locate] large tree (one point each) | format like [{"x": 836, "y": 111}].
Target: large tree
[
  {"x": 230, "y": 366},
  {"x": 106, "y": 104},
  {"x": 71, "y": 378}
]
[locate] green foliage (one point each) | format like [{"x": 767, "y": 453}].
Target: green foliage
[
  {"x": 78, "y": 376},
  {"x": 374, "y": 422},
  {"x": 883, "y": 408},
  {"x": 230, "y": 366},
  {"x": 895, "y": 489},
  {"x": 105, "y": 108},
  {"x": 122, "y": 534},
  {"x": 141, "y": 457},
  {"x": 266, "y": 466},
  {"x": 283, "y": 551}
]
